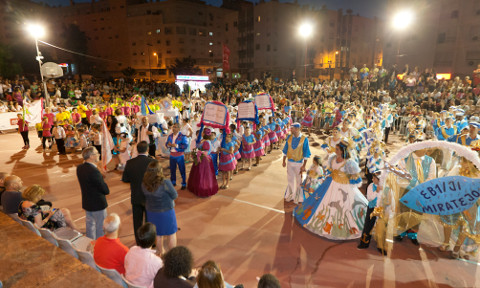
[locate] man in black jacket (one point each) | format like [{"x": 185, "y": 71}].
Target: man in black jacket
[
  {"x": 133, "y": 174},
  {"x": 94, "y": 190},
  {"x": 146, "y": 133}
]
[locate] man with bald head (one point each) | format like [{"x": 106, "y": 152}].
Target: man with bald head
[{"x": 12, "y": 196}]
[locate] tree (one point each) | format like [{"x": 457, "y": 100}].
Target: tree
[
  {"x": 129, "y": 72},
  {"x": 8, "y": 66},
  {"x": 185, "y": 66}
]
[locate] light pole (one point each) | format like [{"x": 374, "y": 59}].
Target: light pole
[
  {"x": 401, "y": 21},
  {"x": 305, "y": 30},
  {"x": 156, "y": 55},
  {"x": 37, "y": 31},
  {"x": 149, "y": 66}
]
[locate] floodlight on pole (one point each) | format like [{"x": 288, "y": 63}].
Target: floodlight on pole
[
  {"x": 305, "y": 30},
  {"x": 402, "y": 19},
  {"x": 37, "y": 31}
]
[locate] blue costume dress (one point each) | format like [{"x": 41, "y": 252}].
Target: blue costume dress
[{"x": 336, "y": 210}]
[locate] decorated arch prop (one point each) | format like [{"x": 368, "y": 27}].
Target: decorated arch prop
[{"x": 264, "y": 102}]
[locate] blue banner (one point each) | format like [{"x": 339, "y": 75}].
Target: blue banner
[{"x": 443, "y": 196}]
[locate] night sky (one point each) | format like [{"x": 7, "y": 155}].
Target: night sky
[{"x": 367, "y": 8}]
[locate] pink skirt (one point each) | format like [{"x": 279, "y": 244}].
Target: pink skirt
[
  {"x": 266, "y": 140},
  {"x": 307, "y": 121},
  {"x": 248, "y": 152},
  {"x": 202, "y": 181},
  {"x": 227, "y": 162},
  {"x": 258, "y": 149},
  {"x": 273, "y": 137}
]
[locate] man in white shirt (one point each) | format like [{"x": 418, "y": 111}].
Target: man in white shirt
[
  {"x": 59, "y": 133},
  {"x": 146, "y": 133}
]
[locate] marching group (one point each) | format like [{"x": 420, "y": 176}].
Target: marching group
[{"x": 357, "y": 115}]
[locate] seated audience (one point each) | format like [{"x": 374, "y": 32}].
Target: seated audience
[
  {"x": 12, "y": 196},
  {"x": 268, "y": 281},
  {"x": 141, "y": 263},
  {"x": 210, "y": 276},
  {"x": 108, "y": 251},
  {"x": 177, "y": 270},
  {"x": 3, "y": 175},
  {"x": 40, "y": 212}
]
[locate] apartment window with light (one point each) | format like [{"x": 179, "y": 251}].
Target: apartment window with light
[
  {"x": 158, "y": 31},
  {"x": 258, "y": 19},
  {"x": 211, "y": 44},
  {"x": 210, "y": 33}
]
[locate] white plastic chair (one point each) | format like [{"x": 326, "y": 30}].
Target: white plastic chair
[
  {"x": 87, "y": 258},
  {"x": 67, "y": 233},
  {"x": 114, "y": 275},
  {"x": 82, "y": 243},
  {"x": 48, "y": 235},
  {"x": 130, "y": 285},
  {"x": 30, "y": 226},
  {"x": 67, "y": 247}
]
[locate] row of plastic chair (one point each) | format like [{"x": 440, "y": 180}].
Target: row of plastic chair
[{"x": 77, "y": 249}]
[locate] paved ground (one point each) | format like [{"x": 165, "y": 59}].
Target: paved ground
[{"x": 248, "y": 229}]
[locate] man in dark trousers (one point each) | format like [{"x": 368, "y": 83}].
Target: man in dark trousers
[
  {"x": 146, "y": 133},
  {"x": 94, "y": 190},
  {"x": 133, "y": 174}
]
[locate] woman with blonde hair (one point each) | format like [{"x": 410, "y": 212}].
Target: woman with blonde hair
[
  {"x": 159, "y": 205},
  {"x": 40, "y": 212}
]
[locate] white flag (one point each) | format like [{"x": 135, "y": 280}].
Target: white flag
[{"x": 107, "y": 146}]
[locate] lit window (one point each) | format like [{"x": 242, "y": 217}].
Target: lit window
[
  {"x": 209, "y": 51},
  {"x": 210, "y": 43},
  {"x": 258, "y": 19},
  {"x": 149, "y": 33},
  {"x": 158, "y": 31},
  {"x": 210, "y": 33}
]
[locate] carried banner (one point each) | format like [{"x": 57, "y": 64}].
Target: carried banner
[
  {"x": 443, "y": 196},
  {"x": 264, "y": 101},
  {"x": 215, "y": 115},
  {"x": 247, "y": 111}
]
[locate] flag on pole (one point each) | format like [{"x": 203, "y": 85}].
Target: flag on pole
[
  {"x": 107, "y": 146},
  {"x": 144, "y": 107},
  {"x": 33, "y": 112}
]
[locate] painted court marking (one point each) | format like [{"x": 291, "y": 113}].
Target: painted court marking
[
  {"x": 110, "y": 205},
  {"x": 254, "y": 204}
]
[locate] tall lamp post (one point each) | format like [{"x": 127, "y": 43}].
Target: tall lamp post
[
  {"x": 156, "y": 55},
  {"x": 305, "y": 30},
  {"x": 401, "y": 21},
  {"x": 37, "y": 31}
]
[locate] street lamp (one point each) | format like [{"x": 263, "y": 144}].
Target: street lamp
[
  {"x": 156, "y": 55},
  {"x": 37, "y": 31},
  {"x": 305, "y": 30},
  {"x": 400, "y": 22}
]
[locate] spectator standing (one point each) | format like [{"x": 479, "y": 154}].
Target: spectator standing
[
  {"x": 133, "y": 174},
  {"x": 146, "y": 133},
  {"x": 23, "y": 130},
  {"x": 108, "y": 251},
  {"x": 94, "y": 190},
  {"x": 159, "y": 196},
  {"x": 141, "y": 263}
]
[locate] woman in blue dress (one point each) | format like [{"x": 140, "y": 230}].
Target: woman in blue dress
[{"x": 336, "y": 210}]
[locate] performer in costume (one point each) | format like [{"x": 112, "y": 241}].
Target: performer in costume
[
  {"x": 315, "y": 177},
  {"x": 373, "y": 197},
  {"x": 202, "y": 181},
  {"x": 297, "y": 151},
  {"x": 422, "y": 168},
  {"x": 227, "y": 160},
  {"x": 248, "y": 151},
  {"x": 332, "y": 141},
  {"x": 258, "y": 147},
  {"x": 336, "y": 210},
  {"x": 446, "y": 131},
  {"x": 467, "y": 139},
  {"x": 177, "y": 143}
]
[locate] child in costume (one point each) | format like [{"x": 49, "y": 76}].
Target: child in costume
[
  {"x": 227, "y": 160},
  {"x": 315, "y": 177}
]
